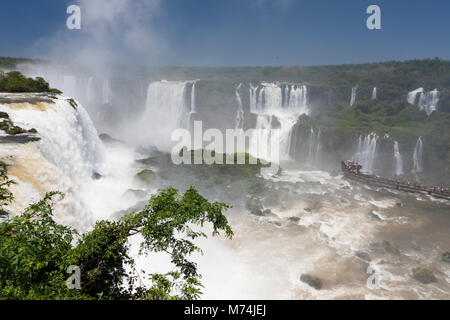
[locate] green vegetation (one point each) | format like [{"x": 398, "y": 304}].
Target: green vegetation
[
  {"x": 8, "y": 126},
  {"x": 72, "y": 103},
  {"x": 6, "y": 196},
  {"x": 14, "y": 81},
  {"x": 36, "y": 251},
  {"x": 424, "y": 275}
]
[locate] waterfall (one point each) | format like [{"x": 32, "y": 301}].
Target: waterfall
[
  {"x": 428, "y": 101},
  {"x": 166, "y": 110},
  {"x": 398, "y": 160},
  {"x": 366, "y": 152},
  {"x": 285, "y": 102},
  {"x": 67, "y": 156},
  {"x": 106, "y": 92},
  {"x": 412, "y": 95},
  {"x": 353, "y": 97},
  {"x": 193, "y": 98},
  {"x": 374, "y": 93},
  {"x": 418, "y": 157},
  {"x": 240, "y": 111}
]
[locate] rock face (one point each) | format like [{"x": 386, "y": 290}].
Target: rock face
[{"x": 312, "y": 281}]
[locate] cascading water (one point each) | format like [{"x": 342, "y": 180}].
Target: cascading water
[
  {"x": 398, "y": 160},
  {"x": 240, "y": 111},
  {"x": 413, "y": 94},
  {"x": 286, "y": 103},
  {"x": 70, "y": 153},
  {"x": 166, "y": 110},
  {"x": 106, "y": 92},
  {"x": 428, "y": 101},
  {"x": 353, "y": 97},
  {"x": 367, "y": 151},
  {"x": 374, "y": 93},
  {"x": 314, "y": 147},
  {"x": 418, "y": 157}
]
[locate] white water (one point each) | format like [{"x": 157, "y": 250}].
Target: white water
[
  {"x": 166, "y": 110},
  {"x": 314, "y": 147},
  {"x": 268, "y": 100},
  {"x": 418, "y": 157},
  {"x": 353, "y": 97},
  {"x": 398, "y": 160},
  {"x": 240, "y": 111},
  {"x": 428, "y": 101},
  {"x": 367, "y": 151},
  {"x": 106, "y": 92},
  {"x": 374, "y": 93},
  {"x": 70, "y": 151},
  {"x": 413, "y": 94}
]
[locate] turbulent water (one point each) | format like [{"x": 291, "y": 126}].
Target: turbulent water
[
  {"x": 319, "y": 224},
  {"x": 285, "y": 103}
]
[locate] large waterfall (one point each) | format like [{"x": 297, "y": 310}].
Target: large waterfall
[
  {"x": 281, "y": 102},
  {"x": 418, "y": 157},
  {"x": 413, "y": 95},
  {"x": 67, "y": 156},
  {"x": 398, "y": 160},
  {"x": 106, "y": 92},
  {"x": 314, "y": 147},
  {"x": 367, "y": 151}
]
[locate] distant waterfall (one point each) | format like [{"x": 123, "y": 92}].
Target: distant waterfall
[
  {"x": 367, "y": 151},
  {"x": 412, "y": 95},
  {"x": 240, "y": 111},
  {"x": 166, "y": 110},
  {"x": 418, "y": 157},
  {"x": 285, "y": 102},
  {"x": 314, "y": 147},
  {"x": 428, "y": 101},
  {"x": 398, "y": 160},
  {"x": 106, "y": 92},
  {"x": 374, "y": 93},
  {"x": 193, "y": 98},
  {"x": 353, "y": 97}
]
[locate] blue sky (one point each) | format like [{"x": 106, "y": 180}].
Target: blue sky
[{"x": 228, "y": 32}]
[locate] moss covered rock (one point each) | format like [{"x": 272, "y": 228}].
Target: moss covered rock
[
  {"x": 424, "y": 275},
  {"x": 312, "y": 281},
  {"x": 146, "y": 175}
]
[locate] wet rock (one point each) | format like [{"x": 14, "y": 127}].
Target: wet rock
[
  {"x": 446, "y": 257},
  {"x": 424, "y": 275},
  {"x": 312, "y": 281},
  {"x": 364, "y": 256},
  {"x": 387, "y": 246},
  {"x": 294, "y": 219},
  {"x": 4, "y": 115},
  {"x": 96, "y": 176},
  {"x": 307, "y": 210}
]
